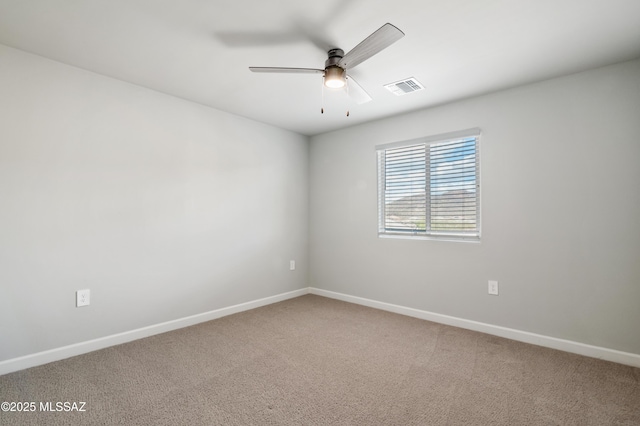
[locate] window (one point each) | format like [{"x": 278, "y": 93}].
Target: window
[{"x": 430, "y": 187}]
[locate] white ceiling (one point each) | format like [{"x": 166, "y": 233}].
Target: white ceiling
[{"x": 201, "y": 49}]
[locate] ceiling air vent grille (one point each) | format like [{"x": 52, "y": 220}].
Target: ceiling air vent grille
[{"x": 405, "y": 86}]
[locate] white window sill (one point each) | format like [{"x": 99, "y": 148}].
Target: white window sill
[{"x": 449, "y": 238}]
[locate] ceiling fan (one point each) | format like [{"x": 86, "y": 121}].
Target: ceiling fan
[{"x": 338, "y": 63}]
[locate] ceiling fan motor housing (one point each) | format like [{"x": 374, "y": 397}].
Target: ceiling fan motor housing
[{"x": 334, "y": 57}]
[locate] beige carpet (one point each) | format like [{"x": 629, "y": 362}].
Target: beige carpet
[{"x": 317, "y": 361}]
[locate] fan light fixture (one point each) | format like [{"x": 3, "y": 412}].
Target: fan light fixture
[{"x": 334, "y": 77}]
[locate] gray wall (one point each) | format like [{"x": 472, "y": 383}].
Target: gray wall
[
  {"x": 161, "y": 207},
  {"x": 165, "y": 209},
  {"x": 560, "y": 181}
]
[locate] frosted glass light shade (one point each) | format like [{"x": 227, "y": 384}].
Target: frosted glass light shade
[{"x": 334, "y": 77}]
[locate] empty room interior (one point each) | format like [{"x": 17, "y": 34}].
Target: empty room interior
[{"x": 237, "y": 212}]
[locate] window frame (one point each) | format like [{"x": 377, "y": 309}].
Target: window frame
[{"x": 449, "y": 235}]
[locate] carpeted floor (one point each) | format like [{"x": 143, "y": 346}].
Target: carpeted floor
[{"x": 318, "y": 361}]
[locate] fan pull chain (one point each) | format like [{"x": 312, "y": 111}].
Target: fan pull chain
[
  {"x": 346, "y": 80},
  {"x": 322, "y": 102}
]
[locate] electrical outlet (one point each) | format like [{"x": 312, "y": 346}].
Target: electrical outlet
[
  {"x": 292, "y": 265},
  {"x": 83, "y": 298},
  {"x": 493, "y": 288}
]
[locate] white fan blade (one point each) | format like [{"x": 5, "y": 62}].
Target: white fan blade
[
  {"x": 356, "y": 92},
  {"x": 287, "y": 70},
  {"x": 382, "y": 38}
]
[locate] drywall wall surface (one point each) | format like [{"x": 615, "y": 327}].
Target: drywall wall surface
[
  {"x": 161, "y": 207},
  {"x": 560, "y": 190}
]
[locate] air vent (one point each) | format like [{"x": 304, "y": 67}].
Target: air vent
[{"x": 403, "y": 87}]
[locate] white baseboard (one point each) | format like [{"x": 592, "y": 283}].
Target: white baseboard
[
  {"x": 509, "y": 333},
  {"x": 40, "y": 358}
]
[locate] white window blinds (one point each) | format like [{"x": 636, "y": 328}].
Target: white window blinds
[{"x": 431, "y": 187}]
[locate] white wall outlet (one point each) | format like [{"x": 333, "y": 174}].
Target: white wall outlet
[
  {"x": 292, "y": 265},
  {"x": 83, "y": 298},
  {"x": 493, "y": 287}
]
